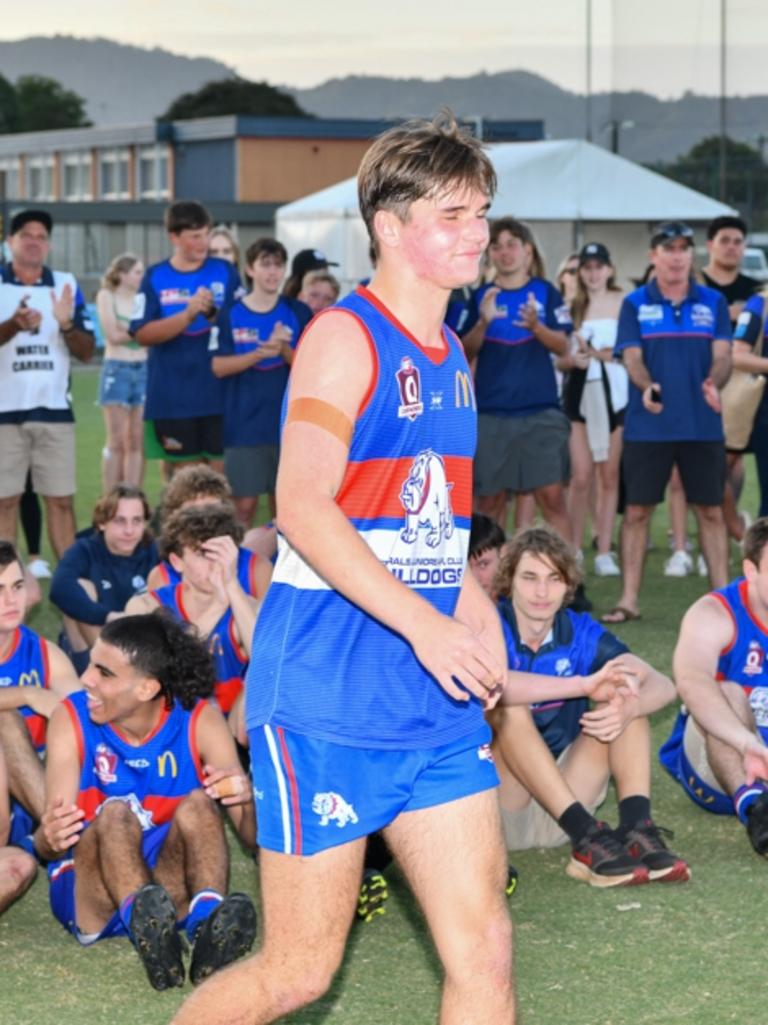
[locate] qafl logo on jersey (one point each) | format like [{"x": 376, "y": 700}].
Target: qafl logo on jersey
[
  {"x": 426, "y": 498},
  {"x": 755, "y": 659},
  {"x": 409, "y": 382},
  {"x": 105, "y": 764}
]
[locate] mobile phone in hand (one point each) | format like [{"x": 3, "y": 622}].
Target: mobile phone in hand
[{"x": 655, "y": 394}]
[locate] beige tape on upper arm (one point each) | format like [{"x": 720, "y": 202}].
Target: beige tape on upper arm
[{"x": 321, "y": 414}]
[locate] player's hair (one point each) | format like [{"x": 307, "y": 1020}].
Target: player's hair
[
  {"x": 727, "y": 221},
  {"x": 419, "y": 160},
  {"x": 755, "y": 540},
  {"x": 544, "y": 543},
  {"x": 158, "y": 646},
  {"x": 120, "y": 265},
  {"x": 265, "y": 247},
  {"x": 9, "y": 554},
  {"x": 312, "y": 277},
  {"x": 186, "y": 215},
  {"x": 520, "y": 230},
  {"x": 223, "y": 231},
  {"x": 484, "y": 534},
  {"x": 106, "y": 506},
  {"x": 193, "y": 526},
  {"x": 191, "y": 482}
]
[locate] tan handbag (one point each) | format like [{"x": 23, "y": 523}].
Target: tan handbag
[{"x": 741, "y": 397}]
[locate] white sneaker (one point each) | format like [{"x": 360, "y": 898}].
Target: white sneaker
[
  {"x": 40, "y": 569},
  {"x": 701, "y": 566},
  {"x": 679, "y": 564},
  {"x": 606, "y": 565}
]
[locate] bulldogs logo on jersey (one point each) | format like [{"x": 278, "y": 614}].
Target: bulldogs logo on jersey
[
  {"x": 426, "y": 498},
  {"x": 332, "y": 807},
  {"x": 105, "y": 764},
  {"x": 409, "y": 383}
]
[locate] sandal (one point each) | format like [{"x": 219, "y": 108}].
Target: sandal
[{"x": 620, "y": 614}]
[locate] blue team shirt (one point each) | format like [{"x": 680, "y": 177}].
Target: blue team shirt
[
  {"x": 676, "y": 343},
  {"x": 180, "y": 382},
  {"x": 252, "y": 399},
  {"x": 577, "y": 646},
  {"x": 514, "y": 374},
  {"x": 27, "y": 665},
  {"x": 748, "y": 330}
]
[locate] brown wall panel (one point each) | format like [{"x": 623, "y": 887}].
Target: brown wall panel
[{"x": 279, "y": 170}]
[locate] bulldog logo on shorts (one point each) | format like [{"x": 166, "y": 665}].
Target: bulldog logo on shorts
[{"x": 333, "y": 808}]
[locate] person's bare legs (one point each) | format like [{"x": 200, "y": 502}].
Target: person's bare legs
[
  {"x": 608, "y": 493},
  {"x": 308, "y": 906},
  {"x": 726, "y": 762},
  {"x": 245, "y": 509},
  {"x": 582, "y": 476},
  {"x": 496, "y": 506},
  {"x": 714, "y": 542},
  {"x": 678, "y": 512},
  {"x": 454, "y": 858},
  {"x": 629, "y": 757},
  {"x": 9, "y": 515},
  {"x": 26, "y": 779},
  {"x": 551, "y": 500},
  {"x": 60, "y": 516},
  {"x": 634, "y": 539},
  {"x": 17, "y": 873},
  {"x": 133, "y": 472},
  {"x": 113, "y": 456},
  {"x": 525, "y": 509}
]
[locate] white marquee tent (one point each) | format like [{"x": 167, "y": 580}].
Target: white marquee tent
[{"x": 569, "y": 190}]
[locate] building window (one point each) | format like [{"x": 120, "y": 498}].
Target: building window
[
  {"x": 153, "y": 172},
  {"x": 114, "y": 174},
  {"x": 40, "y": 178},
  {"x": 77, "y": 176},
  {"x": 10, "y": 178}
]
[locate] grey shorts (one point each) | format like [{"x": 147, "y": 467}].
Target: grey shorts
[
  {"x": 521, "y": 453},
  {"x": 251, "y": 469},
  {"x": 46, "y": 449}
]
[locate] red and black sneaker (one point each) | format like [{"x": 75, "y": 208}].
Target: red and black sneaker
[
  {"x": 645, "y": 842},
  {"x": 601, "y": 859}
]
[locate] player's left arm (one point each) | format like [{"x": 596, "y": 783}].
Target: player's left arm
[
  {"x": 5, "y": 803},
  {"x": 720, "y": 370},
  {"x": 223, "y": 552},
  {"x": 224, "y": 779}
]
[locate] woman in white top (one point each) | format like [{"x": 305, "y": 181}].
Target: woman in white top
[
  {"x": 595, "y": 398},
  {"x": 123, "y": 374}
]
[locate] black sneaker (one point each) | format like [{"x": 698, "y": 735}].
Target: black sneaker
[
  {"x": 226, "y": 934},
  {"x": 757, "y": 825},
  {"x": 580, "y": 602},
  {"x": 644, "y": 841},
  {"x": 512, "y": 880},
  {"x": 374, "y": 893},
  {"x": 602, "y": 860},
  {"x": 154, "y": 934}
]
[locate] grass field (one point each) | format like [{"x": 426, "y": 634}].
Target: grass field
[{"x": 653, "y": 954}]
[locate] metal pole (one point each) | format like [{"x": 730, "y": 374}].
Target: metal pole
[
  {"x": 588, "y": 103},
  {"x": 723, "y": 159}
]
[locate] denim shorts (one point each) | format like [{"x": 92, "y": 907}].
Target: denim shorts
[{"x": 123, "y": 383}]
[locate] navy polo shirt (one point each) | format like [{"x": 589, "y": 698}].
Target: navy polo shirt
[
  {"x": 676, "y": 343},
  {"x": 514, "y": 374},
  {"x": 748, "y": 330}
]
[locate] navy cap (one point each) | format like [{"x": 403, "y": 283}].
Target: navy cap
[
  {"x": 671, "y": 230},
  {"x": 25, "y": 216},
  {"x": 310, "y": 259},
  {"x": 594, "y": 251}
]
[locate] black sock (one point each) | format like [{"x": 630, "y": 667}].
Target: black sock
[
  {"x": 633, "y": 810},
  {"x": 576, "y": 822}
]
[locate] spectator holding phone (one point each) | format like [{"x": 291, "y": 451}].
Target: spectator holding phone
[{"x": 675, "y": 339}]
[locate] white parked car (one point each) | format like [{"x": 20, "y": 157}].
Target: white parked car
[{"x": 755, "y": 264}]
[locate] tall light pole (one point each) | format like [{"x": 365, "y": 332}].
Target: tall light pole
[
  {"x": 723, "y": 164},
  {"x": 588, "y": 103}
]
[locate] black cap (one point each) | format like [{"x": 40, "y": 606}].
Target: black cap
[
  {"x": 671, "y": 230},
  {"x": 25, "y": 216},
  {"x": 310, "y": 259},
  {"x": 594, "y": 251}
]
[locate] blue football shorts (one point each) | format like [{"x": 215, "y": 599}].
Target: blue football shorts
[{"x": 314, "y": 794}]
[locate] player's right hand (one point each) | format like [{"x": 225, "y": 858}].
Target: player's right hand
[
  {"x": 488, "y": 309},
  {"x": 458, "y": 660},
  {"x": 62, "y": 824},
  {"x": 612, "y": 677},
  {"x": 200, "y": 302},
  {"x": 755, "y": 759}
]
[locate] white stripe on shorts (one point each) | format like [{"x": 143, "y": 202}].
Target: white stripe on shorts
[{"x": 285, "y": 811}]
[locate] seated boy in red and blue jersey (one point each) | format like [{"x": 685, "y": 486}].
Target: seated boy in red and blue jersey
[
  {"x": 34, "y": 676},
  {"x": 257, "y": 339},
  {"x": 137, "y": 763},
  {"x": 202, "y": 545},
  {"x": 572, "y": 726}
]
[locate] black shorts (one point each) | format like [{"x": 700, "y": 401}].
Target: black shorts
[
  {"x": 647, "y": 467},
  {"x": 194, "y": 437}
]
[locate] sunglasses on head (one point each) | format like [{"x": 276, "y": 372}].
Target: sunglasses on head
[{"x": 675, "y": 229}]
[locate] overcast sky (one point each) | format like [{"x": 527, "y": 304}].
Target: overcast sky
[{"x": 660, "y": 46}]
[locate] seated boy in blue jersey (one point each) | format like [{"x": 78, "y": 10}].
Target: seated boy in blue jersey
[
  {"x": 717, "y": 749},
  {"x": 558, "y": 758},
  {"x": 257, "y": 338},
  {"x": 105, "y": 567},
  {"x": 17, "y": 868},
  {"x": 201, "y": 543},
  {"x": 137, "y": 762},
  {"x": 34, "y": 676},
  {"x": 176, "y": 309},
  {"x": 197, "y": 485}
]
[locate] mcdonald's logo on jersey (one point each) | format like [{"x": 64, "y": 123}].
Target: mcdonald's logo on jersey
[
  {"x": 165, "y": 761},
  {"x": 463, "y": 390},
  {"x": 30, "y": 679}
]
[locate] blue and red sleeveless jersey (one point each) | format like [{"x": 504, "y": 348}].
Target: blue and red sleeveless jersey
[
  {"x": 229, "y": 659},
  {"x": 246, "y": 571},
  {"x": 26, "y": 665},
  {"x": 152, "y": 778},
  {"x": 319, "y": 664}
]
